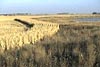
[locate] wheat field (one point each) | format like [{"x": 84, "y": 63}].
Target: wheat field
[
  {"x": 13, "y": 34},
  {"x": 51, "y": 41}
]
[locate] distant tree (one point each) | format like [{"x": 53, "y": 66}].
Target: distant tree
[
  {"x": 94, "y": 13},
  {"x": 62, "y": 13}
]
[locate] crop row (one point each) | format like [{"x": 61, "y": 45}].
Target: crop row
[{"x": 31, "y": 36}]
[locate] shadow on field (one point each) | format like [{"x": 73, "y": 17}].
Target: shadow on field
[
  {"x": 27, "y": 24},
  {"x": 71, "y": 46}
]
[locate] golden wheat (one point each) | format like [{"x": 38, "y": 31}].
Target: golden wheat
[{"x": 12, "y": 36}]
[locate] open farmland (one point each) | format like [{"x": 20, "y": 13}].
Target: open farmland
[
  {"x": 52, "y": 41},
  {"x": 14, "y": 34}
]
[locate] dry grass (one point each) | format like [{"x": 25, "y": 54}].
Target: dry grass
[{"x": 52, "y": 45}]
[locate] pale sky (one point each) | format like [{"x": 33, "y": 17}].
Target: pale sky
[{"x": 49, "y": 6}]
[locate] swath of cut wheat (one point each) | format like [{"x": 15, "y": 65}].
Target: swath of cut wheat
[{"x": 13, "y": 35}]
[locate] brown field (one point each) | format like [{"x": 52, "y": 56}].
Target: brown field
[{"x": 52, "y": 41}]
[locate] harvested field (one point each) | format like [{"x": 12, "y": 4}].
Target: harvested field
[
  {"x": 52, "y": 41},
  {"x": 14, "y": 35}
]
